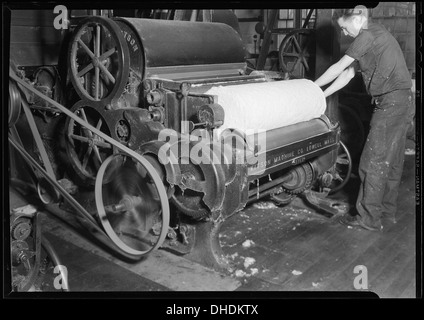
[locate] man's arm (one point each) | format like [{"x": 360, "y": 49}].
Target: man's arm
[
  {"x": 334, "y": 71},
  {"x": 342, "y": 80}
]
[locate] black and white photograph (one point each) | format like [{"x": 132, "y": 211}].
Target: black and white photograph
[{"x": 174, "y": 150}]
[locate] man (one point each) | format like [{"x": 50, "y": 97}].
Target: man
[{"x": 388, "y": 81}]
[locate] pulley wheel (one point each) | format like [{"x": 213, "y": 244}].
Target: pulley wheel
[
  {"x": 297, "y": 54},
  {"x": 341, "y": 170},
  {"x": 302, "y": 178},
  {"x": 85, "y": 149},
  {"x": 46, "y": 192},
  {"x": 14, "y": 107},
  {"x": 99, "y": 60},
  {"x": 133, "y": 205}
]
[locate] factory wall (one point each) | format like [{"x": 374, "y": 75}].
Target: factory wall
[{"x": 400, "y": 19}]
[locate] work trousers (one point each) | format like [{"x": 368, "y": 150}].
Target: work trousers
[{"x": 381, "y": 163}]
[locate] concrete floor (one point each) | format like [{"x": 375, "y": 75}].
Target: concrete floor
[{"x": 291, "y": 248}]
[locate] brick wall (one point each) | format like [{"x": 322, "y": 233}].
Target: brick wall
[{"x": 400, "y": 19}]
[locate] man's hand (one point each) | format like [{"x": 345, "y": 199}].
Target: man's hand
[
  {"x": 334, "y": 71},
  {"x": 342, "y": 80}
]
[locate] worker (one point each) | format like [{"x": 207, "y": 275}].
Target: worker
[{"x": 388, "y": 81}]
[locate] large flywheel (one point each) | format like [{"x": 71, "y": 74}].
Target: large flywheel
[
  {"x": 99, "y": 60},
  {"x": 297, "y": 54},
  {"x": 132, "y": 203}
]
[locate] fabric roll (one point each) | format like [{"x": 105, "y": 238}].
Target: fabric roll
[{"x": 268, "y": 105}]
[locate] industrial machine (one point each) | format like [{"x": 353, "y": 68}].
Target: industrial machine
[
  {"x": 159, "y": 135},
  {"x": 33, "y": 258}
]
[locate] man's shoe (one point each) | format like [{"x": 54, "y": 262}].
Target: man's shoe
[
  {"x": 355, "y": 221},
  {"x": 349, "y": 220}
]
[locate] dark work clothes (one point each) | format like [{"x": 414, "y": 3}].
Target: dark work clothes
[
  {"x": 388, "y": 81},
  {"x": 381, "y": 164},
  {"x": 381, "y": 60}
]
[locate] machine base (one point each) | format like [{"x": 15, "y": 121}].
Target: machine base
[{"x": 199, "y": 242}]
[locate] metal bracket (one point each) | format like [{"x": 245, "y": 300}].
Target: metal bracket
[{"x": 329, "y": 208}]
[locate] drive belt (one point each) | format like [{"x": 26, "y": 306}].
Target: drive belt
[
  {"x": 38, "y": 141},
  {"x": 75, "y": 204},
  {"x": 125, "y": 150},
  {"x": 85, "y": 124}
]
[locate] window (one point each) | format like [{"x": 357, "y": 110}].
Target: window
[{"x": 287, "y": 18}]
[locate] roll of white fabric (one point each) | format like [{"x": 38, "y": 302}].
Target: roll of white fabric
[{"x": 269, "y": 105}]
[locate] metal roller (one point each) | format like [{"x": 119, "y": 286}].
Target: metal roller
[{"x": 171, "y": 49}]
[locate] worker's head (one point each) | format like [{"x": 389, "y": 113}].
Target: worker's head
[{"x": 351, "y": 21}]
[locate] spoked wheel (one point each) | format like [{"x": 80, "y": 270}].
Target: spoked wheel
[
  {"x": 86, "y": 150},
  {"x": 297, "y": 54},
  {"x": 133, "y": 205},
  {"x": 99, "y": 60},
  {"x": 341, "y": 170}
]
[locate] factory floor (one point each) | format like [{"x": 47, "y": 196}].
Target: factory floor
[{"x": 291, "y": 248}]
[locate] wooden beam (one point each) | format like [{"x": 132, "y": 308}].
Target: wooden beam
[
  {"x": 327, "y": 51},
  {"x": 297, "y": 18},
  {"x": 267, "y": 40}
]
